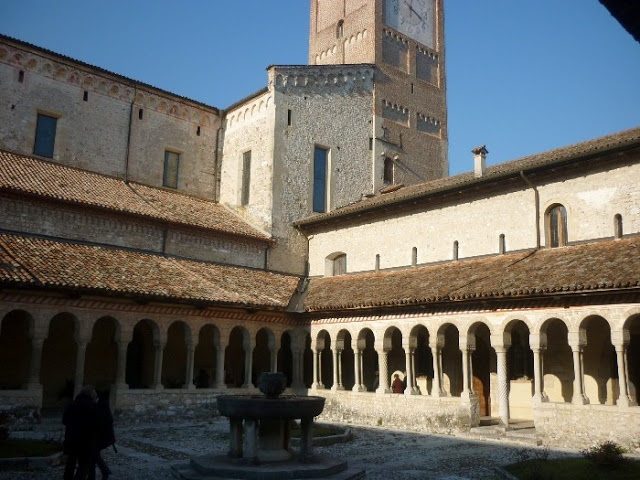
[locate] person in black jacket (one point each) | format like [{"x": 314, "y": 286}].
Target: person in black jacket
[
  {"x": 82, "y": 422},
  {"x": 106, "y": 438}
]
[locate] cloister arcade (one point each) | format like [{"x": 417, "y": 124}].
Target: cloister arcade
[{"x": 507, "y": 364}]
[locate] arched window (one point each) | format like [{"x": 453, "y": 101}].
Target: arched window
[
  {"x": 340, "y": 29},
  {"x": 335, "y": 264},
  {"x": 556, "y": 220},
  {"x": 617, "y": 226}
]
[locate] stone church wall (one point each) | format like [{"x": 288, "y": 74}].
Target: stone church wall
[
  {"x": 591, "y": 202},
  {"x": 95, "y": 110}
]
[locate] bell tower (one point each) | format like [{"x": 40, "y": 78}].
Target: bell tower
[{"x": 404, "y": 39}]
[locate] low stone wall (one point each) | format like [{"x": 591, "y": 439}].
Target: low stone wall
[
  {"x": 417, "y": 412},
  {"x": 581, "y": 426},
  {"x": 149, "y": 404}
]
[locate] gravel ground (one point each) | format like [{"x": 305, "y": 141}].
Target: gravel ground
[{"x": 146, "y": 451}]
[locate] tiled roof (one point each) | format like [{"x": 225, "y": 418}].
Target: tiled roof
[
  {"x": 413, "y": 192},
  {"x": 583, "y": 268},
  {"x": 29, "y": 261},
  {"x": 28, "y": 175}
]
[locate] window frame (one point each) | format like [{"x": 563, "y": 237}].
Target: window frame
[
  {"x": 42, "y": 136},
  {"x": 320, "y": 175},
  {"x": 245, "y": 178},
  {"x": 165, "y": 173},
  {"x": 556, "y": 226}
]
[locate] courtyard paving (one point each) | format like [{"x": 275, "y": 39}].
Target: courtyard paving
[{"x": 147, "y": 450}]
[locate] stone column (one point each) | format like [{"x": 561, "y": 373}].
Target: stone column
[
  {"x": 409, "y": 390},
  {"x": 337, "y": 381},
  {"x": 235, "y": 437},
  {"x": 538, "y": 377},
  {"x": 306, "y": 438},
  {"x": 121, "y": 368},
  {"x": 250, "y": 446},
  {"x": 248, "y": 367},
  {"x": 219, "y": 381},
  {"x": 579, "y": 398},
  {"x": 33, "y": 382},
  {"x": 503, "y": 384},
  {"x": 80, "y": 359},
  {"x": 623, "y": 400},
  {"x": 383, "y": 367},
  {"x": 466, "y": 392},
  {"x": 189, "y": 385},
  {"x": 436, "y": 388},
  {"x": 357, "y": 370},
  {"x": 157, "y": 365},
  {"x": 317, "y": 370},
  {"x": 296, "y": 370}
]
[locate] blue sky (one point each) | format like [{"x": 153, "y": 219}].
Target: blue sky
[{"x": 523, "y": 76}]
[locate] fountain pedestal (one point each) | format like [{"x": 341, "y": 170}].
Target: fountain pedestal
[{"x": 260, "y": 439}]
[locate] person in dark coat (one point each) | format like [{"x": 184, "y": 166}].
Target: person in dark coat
[
  {"x": 106, "y": 438},
  {"x": 82, "y": 422}
]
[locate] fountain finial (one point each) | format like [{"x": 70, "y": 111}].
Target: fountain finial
[{"x": 272, "y": 384}]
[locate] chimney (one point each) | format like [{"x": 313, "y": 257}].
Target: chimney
[{"x": 479, "y": 160}]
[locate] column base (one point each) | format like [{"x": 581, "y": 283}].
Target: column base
[
  {"x": 318, "y": 386},
  {"x": 220, "y": 386},
  {"x": 337, "y": 388},
  {"x": 540, "y": 398},
  {"x": 382, "y": 391},
  {"x": 359, "y": 388},
  {"x": 626, "y": 402},
  {"x": 439, "y": 393},
  {"x": 411, "y": 391},
  {"x": 580, "y": 400},
  {"x": 191, "y": 386}
]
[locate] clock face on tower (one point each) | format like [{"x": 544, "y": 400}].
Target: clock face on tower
[{"x": 413, "y": 18}]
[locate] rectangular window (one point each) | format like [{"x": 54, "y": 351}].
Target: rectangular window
[
  {"x": 246, "y": 178},
  {"x": 45, "y": 135},
  {"x": 171, "y": 167},
  {"x": 320, "y": 161}
]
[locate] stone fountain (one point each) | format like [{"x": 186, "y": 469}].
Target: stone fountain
[{"x": 260, "y": 439}]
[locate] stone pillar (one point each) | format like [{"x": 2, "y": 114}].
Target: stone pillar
[
  {"x": 306, "y": 438},
  {"x": 248, "y": 366},
  {"x": 35, "y": 362},
  {"x": 80, "y": 359},
  {"x": 273, "y": 360},
  {"x": 219, "y": 381},
  {"x": 317, "y": 370},
  {"x": 623, "y": 400},
  {"x": 436, "y": 388},
  {"x": 409, "y": 390},
  {"x": 579, "y": 398},
  {"x": 383, "y": 367},
  {"x": 121, "y": 368},
  {"x": 250, "y": 446},
  {"x": 157, "y": 365},
  {"x": 466, "y": 391},
  {"x": 337, "y": 381},
  {"x": 503, "y": 384},
  {"x": 296, "y": 371},
  {"x": 235, "y": 437},
  {"x": 538, "y": 376},
  {"x": 189, "y": 385},
  {"x": 357, "y": 370}
]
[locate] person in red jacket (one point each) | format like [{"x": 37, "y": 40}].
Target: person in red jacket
[{"x": 397, "y": 385}]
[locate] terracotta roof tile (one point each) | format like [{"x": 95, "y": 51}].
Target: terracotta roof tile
[
  {"x": 33, "y": 261},
  {"x": 413, "y": 192},
  {"x": 581, "y": 268},
  {"x": 28, "y": 175}
]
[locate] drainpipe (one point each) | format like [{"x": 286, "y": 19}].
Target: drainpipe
[
  {"x": 537, "y": 205},
  {"x": 126, "y": 158},
  {"x": 217, "y": 166}
]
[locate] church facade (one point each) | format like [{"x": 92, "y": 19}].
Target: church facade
[{"x": 168, "y": 251}]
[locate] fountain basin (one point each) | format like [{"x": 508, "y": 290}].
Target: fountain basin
[{"x": 258, "y": 407}]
